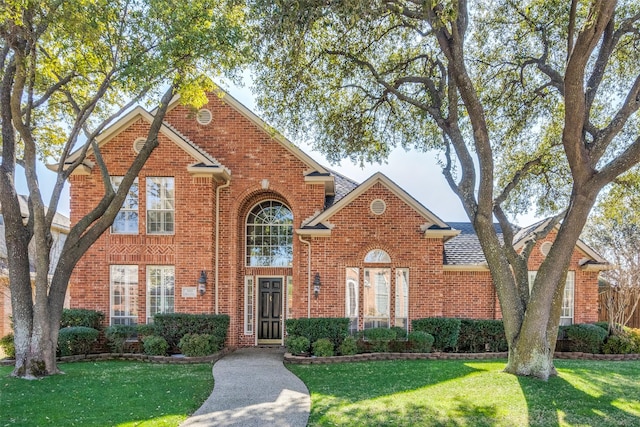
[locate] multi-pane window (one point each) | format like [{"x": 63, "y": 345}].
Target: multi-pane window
[
  {"x": 126, "y": 222},
  {"x": 270, "y": 235},
  {"x": 160, "y": 290},
  {"x": 351, "y": 298},
  {"x": 160, "y": 205},
  {"x": 566, "y": 315},
  {"x": 124, "y": 294},
  {"x": 376, "y": 297},
  {"x": 248, "y": 305},
  {"x": 402, "y": 298}
]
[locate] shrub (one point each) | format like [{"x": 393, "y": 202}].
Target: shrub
[
  {"x": 81, "y": 317},
  {"x": 379, "y": 338},
  {"x": 401, "y": 333},
  {"x": 117, "y": 336},
  {"x": 196, "y": 345},
  {"x": 145, "y": 329},
  {"x": 348, "y": 347},
  {"x": 172, "y": 327},
  {"x": 445, "y": 330},
  {"x": 335, "y": 329},
  {"x": 619, "y": 344},
  {"x": 584, "y": 337},
  {"x": 8, "y": 346},
  {"x": 603, "y": 325},
  {"x": 398, "y": 345},
  {"x": 420, "y": 341},
  {"x": 480, "y": 335},
  {"x": 155, "y": 345},
  {"x": 323, "y": 348},
  {"x": 297, "y": 344},
  {"x": 634, "y": 334},
  {"x": 76, "y": 340}
]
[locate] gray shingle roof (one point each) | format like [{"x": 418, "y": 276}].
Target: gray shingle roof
[
  {"x": 343, "y": 186},
  {"x": 465, "y": 247}
]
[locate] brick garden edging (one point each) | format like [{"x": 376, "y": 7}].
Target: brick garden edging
[
  {"x": 182, "y": 360},
  {"x": 306, "y": 360}
]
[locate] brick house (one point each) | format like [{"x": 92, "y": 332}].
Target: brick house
[{"x": 227, "y": 216}]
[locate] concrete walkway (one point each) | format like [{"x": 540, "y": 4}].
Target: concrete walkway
[{"x": 253, "y": 388}]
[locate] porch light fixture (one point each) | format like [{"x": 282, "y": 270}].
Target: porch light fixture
[
  {"x": 202, "y": 282},
  {"x": 316, "y": 285}
]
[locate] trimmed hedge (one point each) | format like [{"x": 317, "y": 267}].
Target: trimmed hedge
[
  {"x": 76, "y": 340},
  {"x": 172, "y": 327},
  {"x": 477, "y": 336},
  {"x": 155, "y": 345},
  {"x": 117, "y": 336},
  {"x": 196, "y": 345},
  {"x": 445, "y": 331},
  {"x": 585, "y": 337},
  {"x": 323, "y": 348},
  {"x": 336, "y": 329},
  {"x": 81, "y": 317},
  {"x": 420, "y": 342},
  {"x": 297, "y": 345},
  {"x": 348, "y": 347},
  {"x": 379, "y": 339}
]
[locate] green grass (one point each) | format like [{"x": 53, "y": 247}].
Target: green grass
[
  {"x": 466, "y": 393},
  {"x": 114, "y": 393}
]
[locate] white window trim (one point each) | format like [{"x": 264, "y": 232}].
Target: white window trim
[
  {"x": 147, "y": 204},
  {"x": 357, "y": 296},
  {"x": 399, "y": 272},
  {"x": 373, "y": 284},
  {"x": 148, "y": 289},
  {"x": 123, "y": 209},
  {"x": 111, "y": 284},
  {"x": 571, "y": 278},
  {"x": 249, "y": 305}
]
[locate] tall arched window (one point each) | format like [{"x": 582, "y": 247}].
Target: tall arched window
[{"x": 270, "y": 235}]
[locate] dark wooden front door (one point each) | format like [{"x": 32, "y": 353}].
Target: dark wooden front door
[{"x": 270, "y": 313}]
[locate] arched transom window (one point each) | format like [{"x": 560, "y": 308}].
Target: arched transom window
[
  {"x": 377, "y": 256},
  {"x": 270, "y": 235}
]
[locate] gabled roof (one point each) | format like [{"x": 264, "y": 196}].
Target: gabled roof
[
  {"x": 204, "y": 162},
  {"x": 253, "y": 117},
  {"x": 432, "y": 222}
]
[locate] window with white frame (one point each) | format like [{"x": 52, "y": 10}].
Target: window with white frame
[
  {"x": 248, "y": 305},
  {"x": 376, "y": 297},
  {"x": 123, "y": 294},
  {"x": 126, "y": 222},
  {"x": 160, "y": 205},
  {"x": 160, "y": 290},
  {"x": 289, "y": 297},
  {"x": 402, "y": 298},
  {"x": 269, "y": 235},
  {"x": 566, "y": 315},
  {"x": 351, "y": 298}
]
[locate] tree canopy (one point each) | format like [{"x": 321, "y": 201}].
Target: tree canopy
[
  {"x": 531, "y": 103},
  {"x": 68, "y": 69}
]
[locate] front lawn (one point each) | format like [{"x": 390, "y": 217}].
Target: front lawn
[
  {"x": 471, "y": 393},
  {"x": 113, "y": 393}
]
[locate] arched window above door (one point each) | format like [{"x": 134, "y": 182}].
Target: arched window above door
[
  {"x": 269, "y": 235},
  {"x": 377, "y": 256}
]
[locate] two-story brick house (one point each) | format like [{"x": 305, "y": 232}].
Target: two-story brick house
[{"x": 227, "y": 216}]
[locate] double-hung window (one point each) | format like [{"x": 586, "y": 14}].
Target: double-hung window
[
  {"x": 566, "y": 315},
  {"x": 160, "y": 290},
  {"x": 123, "y": 294},
  {"x": 160, "y": 205},
  {"x": 126, "y": 222}
]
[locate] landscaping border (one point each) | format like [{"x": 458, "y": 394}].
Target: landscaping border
[
  {"x": 306, "y": 360},
  {"x": 177, "y": 360}
]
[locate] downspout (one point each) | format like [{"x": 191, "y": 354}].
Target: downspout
[
  {"x": 308, "y": 243},
  {"x": 218, "y": 188}
]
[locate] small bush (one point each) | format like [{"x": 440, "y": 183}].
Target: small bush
[
  {"x": 619, "y": 344},
  {"x": 8, "y": 346},
  {"x": 398, "y": 345},
  {"x": 445, "y": 331},
  {"x": 481, "y": 335},
  {"x": 323, "y": 348},
  {"x": 584, "y": 337},
  {"x": 379, "y": 338},
  {"x": 348, "y": 347},
  {"x": 297, "y": 344},
  {"x": 155, "y": 345},
  {"x": 634, "y": 334},
  {"x": 173, "y": 326},
  {"x": 145, "y": 329},
  {"x": 197, "y": 345},
  {"x": 335, "y": 329},
  {"x": 81, "y": 317},
  {"x": 401, "y": 333},
  {"x": 117, "y": 336},
  {"x": 76, "y": 340},
  {"x": 420, "y": 341}
]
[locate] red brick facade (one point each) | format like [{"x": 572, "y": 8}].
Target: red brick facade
[{"x": 263, "y": 167}]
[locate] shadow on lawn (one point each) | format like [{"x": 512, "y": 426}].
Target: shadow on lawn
[{"x": 578, "y": 396}]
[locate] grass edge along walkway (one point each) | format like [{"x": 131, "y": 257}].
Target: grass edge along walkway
[
  {"x": 470, "y": 393},
  {"x": 106, "y": 393}
]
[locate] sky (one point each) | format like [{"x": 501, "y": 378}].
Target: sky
[{"x": 418, "y": 173}]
